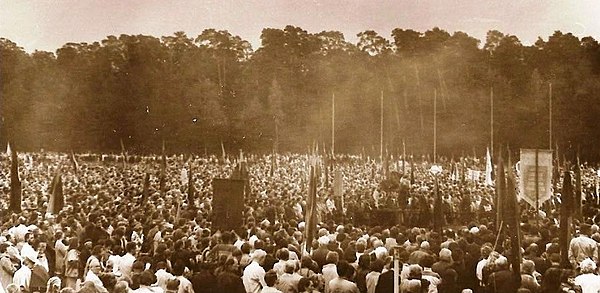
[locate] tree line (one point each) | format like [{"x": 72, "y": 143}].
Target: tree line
[{"x": 198, "y": 92}]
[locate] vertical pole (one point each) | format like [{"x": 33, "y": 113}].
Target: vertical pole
[
  {"x": 434, "y": 125},
  {"x": 537, "y": 188},
  {"x": 550, "y": 115},
  {"x": 396, "y": 271},
  {"x": 381, "y": 131},
  {"x": 333, "y": 124},
  {"x": 403, "y": 157},
  {"x": 492, "y": 120}
]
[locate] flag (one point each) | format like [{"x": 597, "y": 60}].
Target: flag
[
  {"x": 57, "y": 199},
  {"x": 74, "y": 162},
  {"x": 8, "y": 150},
  {"x": 223, "y": 151},
  {"x": 146, "y": 190},
  {"x": 15, "y": 184},
  {"x": 163, "y": 170},
  {"x": 178, "y": 213},
  {"x": 311, "y": 208},
  {"x": 191, "y": 188},
  {"x": 438, "y": 213},
  {"x": 412, "y": 171},
  {"x": 577, "y": 212},
  {"x": 183, "y": 176},
  {"x": 512, "y": 219},
  {"x": 272, "y": 171},
  {"x": 500, "y": 194},
  {"x": 338, "y": 189},
  {"x": 124, "y": 154},
  {"x": 385, "y": 166},
  {"x": 489, "y": 169},
  {"x": 566, "y": 209}
]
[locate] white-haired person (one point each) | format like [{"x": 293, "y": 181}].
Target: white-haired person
[
  {"x": 503, "y": 280},
  {"x": 254, "y": 274},
  {"x": 588, "y": 280}
]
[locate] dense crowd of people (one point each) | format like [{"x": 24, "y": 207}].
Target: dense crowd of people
[{"x": 111, "y": 238}]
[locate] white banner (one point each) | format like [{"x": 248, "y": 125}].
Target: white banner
[{"x": 527, "y": 182}]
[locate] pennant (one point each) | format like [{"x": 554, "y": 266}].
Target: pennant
[
  {"x": 74, "y": 162},
  {"x": 338, "y": 189},
  {"x": 512, "y": 219},
  {"x": 124, "y": 154},
  {"x": 500, "y": 194},
  {"x": 191, "y": 187},
  {"x": 566, "y": 208},
  {"x": 224, "y": 155},
  {"x": 146, "y": 190},
  {"x": 489, "y": 169},
  {"x": 438, "y": 213},
  {"x": 183, "y": 176},
  {"x": 15, "y": 184},
  {"x": 577, "y": 212},
  {"x": 57, "y": 201},
  {"x": 412, "y": 171},
  {"x": 163, "y": 170},
  {"x": 311, "y": 207},
  {"x": 272, "y": 171}
]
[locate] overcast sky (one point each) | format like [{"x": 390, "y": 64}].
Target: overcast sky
[{"x": 47, "y": 25}]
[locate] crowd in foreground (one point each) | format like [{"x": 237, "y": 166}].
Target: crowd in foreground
[{"x": 109, "y": 238}]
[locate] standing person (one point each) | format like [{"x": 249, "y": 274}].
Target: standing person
[
  {"x": 7, "y": 269},
  {"x": 330, "y": 269},
  {"x": 22, "y": 277},
  {"x": 342, "y": 283},
  {"x": 185, "y": 286},
  {"x": 254, "y": 273},
  {"x": 39, "y": 277},
  {"x": 373, "y": 277},
  {"x": 96, "y": 256},
  {"x": 126, "y": 262},
  {"x": 60, "y": 250},
  {"x": 72, "y": 264},
  {"x": 288, "y": 281},
  {"x": 588, "y": 280},
  {"x": 582, "y": 247},
  {"x": 270, "y": 280},
  {"x": 502, "y": 280}
]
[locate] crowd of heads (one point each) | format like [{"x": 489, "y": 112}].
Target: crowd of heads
[{"x": 111, "y": 237}]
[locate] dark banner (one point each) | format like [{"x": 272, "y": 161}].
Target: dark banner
[{"x": 228, "y": 203}]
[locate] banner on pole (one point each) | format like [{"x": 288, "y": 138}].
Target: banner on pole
[{"x": 528, "y": 175}]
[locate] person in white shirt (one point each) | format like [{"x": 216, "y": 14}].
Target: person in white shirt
[
  {"x": 254, "y": 274},
  {"x": 92, "y": 274},
  {"x": 330, "y": 269},
  {"x": 185, "y": 286},
  {"x": 22, "y": 276},
  {"x": 61, "y": 253},
  {"x": 126, "y": 261},
  {"x": 162, "y": 276},
  {"x": 588, "y": 280}
]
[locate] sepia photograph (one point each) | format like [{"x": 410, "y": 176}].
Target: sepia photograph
[{"x": 309, "y": 146}]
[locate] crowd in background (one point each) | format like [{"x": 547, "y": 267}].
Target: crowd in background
[{"x": 109, "y": 238}]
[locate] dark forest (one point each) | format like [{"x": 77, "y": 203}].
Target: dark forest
[{"x": 196, "y": 92}]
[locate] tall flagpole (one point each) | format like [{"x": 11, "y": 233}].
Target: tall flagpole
[
  {"x": 550, "y": 124},
  {"x": 434, "y": 125},
  {"x": 381, "y": 131},
  {"x": 492, "y": 120},
  {"x": 333, "y": 124}
]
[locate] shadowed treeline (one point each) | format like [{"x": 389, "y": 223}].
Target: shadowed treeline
[{"x": 196, "y": 92}]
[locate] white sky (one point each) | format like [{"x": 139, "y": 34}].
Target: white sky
[{"x": 47, "y": 25}]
